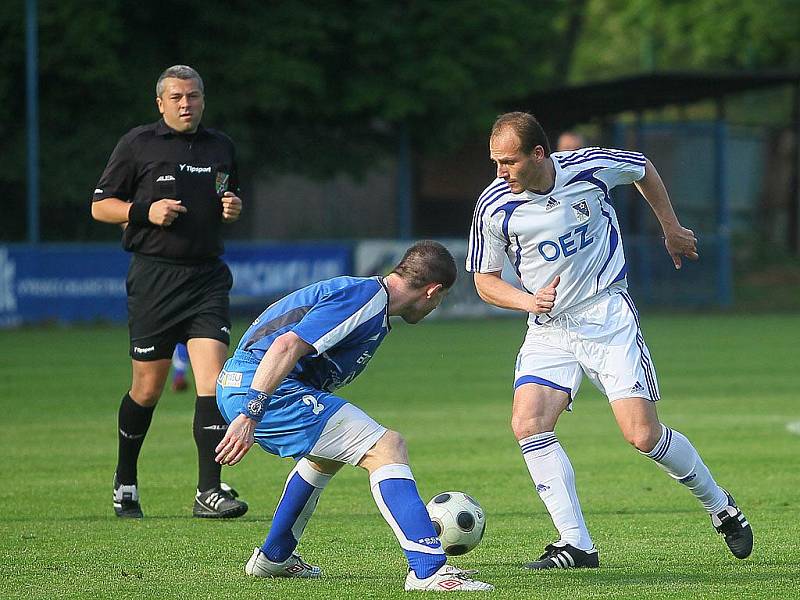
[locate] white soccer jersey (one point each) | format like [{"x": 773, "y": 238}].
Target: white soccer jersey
[{"x": 570, "y": 230}]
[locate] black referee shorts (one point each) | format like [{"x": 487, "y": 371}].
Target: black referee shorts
[{"x": 170, "y": 303}]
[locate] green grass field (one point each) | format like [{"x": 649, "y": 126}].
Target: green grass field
[{"x": 730, "y": 383}]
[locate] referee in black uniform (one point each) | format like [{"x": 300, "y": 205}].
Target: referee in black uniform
[{"x": 174, "y": 184}]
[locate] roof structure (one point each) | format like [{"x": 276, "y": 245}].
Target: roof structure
[{"x": 565, "y": 107}]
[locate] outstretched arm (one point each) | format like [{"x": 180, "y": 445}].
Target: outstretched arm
[
  {"x": 280, "y": 359},
  {"x": 678, "y": 240}
]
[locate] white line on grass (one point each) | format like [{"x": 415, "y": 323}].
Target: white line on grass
[{"x": 793, "y": 427}]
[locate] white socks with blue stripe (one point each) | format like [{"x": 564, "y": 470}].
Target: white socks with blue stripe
[
  {"x": 396, "y": 495},
  {"x": 676, "y": 455},
  {"x": 554, "y": 479},
  {"x": 300, "y": 496}
]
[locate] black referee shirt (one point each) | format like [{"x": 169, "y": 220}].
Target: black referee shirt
[{"x": 152, "y": 162}]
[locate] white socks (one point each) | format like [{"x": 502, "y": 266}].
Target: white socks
[
  {"x": 554, "y": 478},
  {"x": 676, "y": 455}
]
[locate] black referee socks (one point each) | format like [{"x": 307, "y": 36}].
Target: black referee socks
[
  {"x": 134, "y": 421},
  {"x": 209, "y": 429}
]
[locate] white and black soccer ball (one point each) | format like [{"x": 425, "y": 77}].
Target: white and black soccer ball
[{"x": 459, "y": 521}]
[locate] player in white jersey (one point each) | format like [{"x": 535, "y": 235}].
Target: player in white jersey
[{"x": 551, "y": 216}]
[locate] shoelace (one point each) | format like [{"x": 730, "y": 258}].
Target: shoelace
[
  {"x": 220, "y": 494},
  {"x": 549, "y": 551},
  {"x": 730, "y": 525},
  {"x": 463, "y": 574},
  {"x": 302, "y": 562}
]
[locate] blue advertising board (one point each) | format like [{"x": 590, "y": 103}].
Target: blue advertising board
[
  {"x": 61, "y": 283},
  {"x": 73, "y": 283},
  {"x": 267, "y": 271}
]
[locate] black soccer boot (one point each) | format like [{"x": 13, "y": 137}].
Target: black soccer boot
[
  {"x": 218, "y": 503},
  {"x": 733, "y": 526},
  {"x": 565, "y": 557},
  {"x": 126, "y": 501}
]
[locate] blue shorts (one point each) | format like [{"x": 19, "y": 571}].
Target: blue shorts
[{"x": 295, "y": 416}]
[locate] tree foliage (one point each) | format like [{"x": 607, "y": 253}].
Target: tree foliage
[
  {"x": 313, "y": 87},
  {"x": 320, "y": 86},
  {"x": 630, "y": 36}
]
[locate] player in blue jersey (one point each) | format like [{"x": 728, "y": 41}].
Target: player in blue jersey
[
  {"x": 550, "y": 215},
  {"x": 279, "y": 390},
  {"x": 180, "y": 362}
]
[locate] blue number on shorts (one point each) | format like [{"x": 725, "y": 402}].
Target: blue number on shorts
[{"x": 310, "y": 400}]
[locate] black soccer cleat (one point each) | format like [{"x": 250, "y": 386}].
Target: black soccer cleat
[
  {"x": 565, "y": 557},
  {"x": 733, "y": 526},
  {"x": 126, "y": 501},
  {"x": 218, "y": 503}
]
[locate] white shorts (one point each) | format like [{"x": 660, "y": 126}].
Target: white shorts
[
  {"x": 347, "y": 436},
  {"x": 601, "y": 339}
]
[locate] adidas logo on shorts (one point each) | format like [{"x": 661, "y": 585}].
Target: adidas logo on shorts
[{"x": 637, "y": 388}]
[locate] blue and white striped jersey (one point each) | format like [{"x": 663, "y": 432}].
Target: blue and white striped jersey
[
  {"x": 344, "y": 318},
  {"x": 570, "y": 230}
]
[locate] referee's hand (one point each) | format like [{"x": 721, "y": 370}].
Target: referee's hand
[
  {"x": 237, "y": 441},
  {"x": 231, "y": 207},
  {"x": 163, "y": 212}
]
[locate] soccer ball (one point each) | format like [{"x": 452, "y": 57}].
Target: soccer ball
[{"x": 459, "y": 521}]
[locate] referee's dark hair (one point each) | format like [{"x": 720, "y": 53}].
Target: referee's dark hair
[
  {"x": 528, "y": 130},
  {"x": 427, "y": 262}
]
